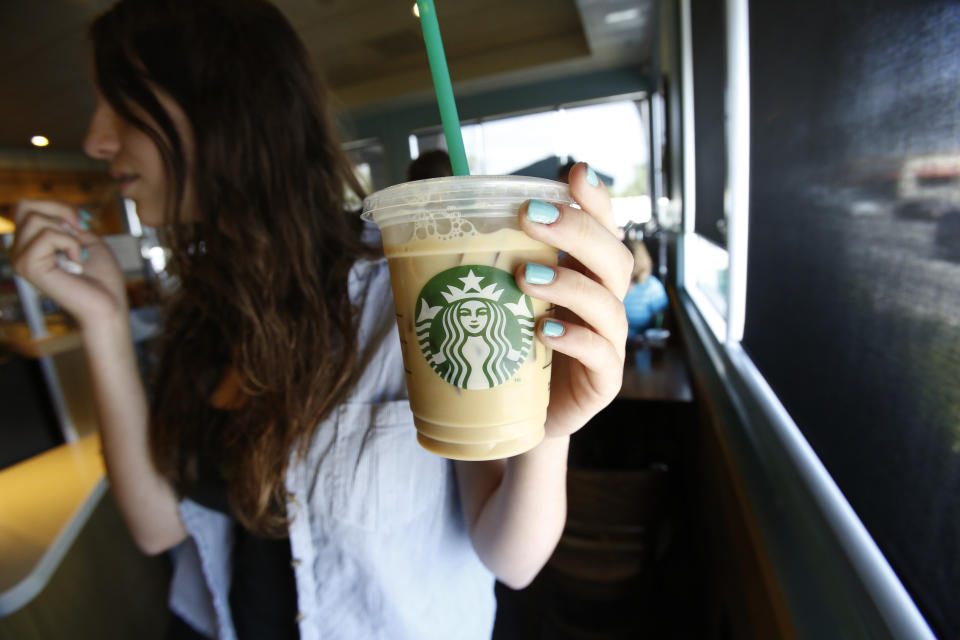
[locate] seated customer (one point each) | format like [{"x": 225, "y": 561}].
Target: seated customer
[{"x": 647, "y": 296}]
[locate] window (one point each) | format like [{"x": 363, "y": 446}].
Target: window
[
  {"x": 369, "y": 165},
  {"x": 611, "y": 135},
  {"x": 706, "y": 257}
]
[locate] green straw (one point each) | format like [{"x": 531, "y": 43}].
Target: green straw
[{"x": 443, "y": 88}]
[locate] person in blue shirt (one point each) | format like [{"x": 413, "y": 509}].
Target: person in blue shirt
[{"x": 647, "y": 296}]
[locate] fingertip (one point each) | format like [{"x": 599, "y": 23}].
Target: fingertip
[
  {"x": 542, "y": 212},
  {"x": 70, "y": 228},
  {"x": 85, "y": 217},
  {"x": 591, "y": 177},
  {"x": 552, "y": 328},
  {"x": 67, "y": 261},
  {"x": 593, "y": 198},
  {"x": 579, "y": 188}
]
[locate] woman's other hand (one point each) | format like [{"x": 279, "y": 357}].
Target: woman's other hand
[
  {"x": 45, "y": 228},
  {"x": 588, "y": 334}
]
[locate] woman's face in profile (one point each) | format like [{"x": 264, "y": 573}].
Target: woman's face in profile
[
  {"x": 135, "y": 163},
  {"x": 474, "y": 316}
]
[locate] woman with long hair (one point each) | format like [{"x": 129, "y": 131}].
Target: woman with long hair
[{"x": 273, "y": 450}]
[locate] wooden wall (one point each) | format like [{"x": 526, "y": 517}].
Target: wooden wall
[
  {"x": 92, "y": 189},
  {"x": 744, "y": 599}
]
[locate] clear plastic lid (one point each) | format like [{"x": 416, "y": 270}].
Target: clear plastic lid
[{"x": 492, "y": 195}]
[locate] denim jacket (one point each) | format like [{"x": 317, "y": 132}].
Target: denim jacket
[{"x": 379, "y": 544}]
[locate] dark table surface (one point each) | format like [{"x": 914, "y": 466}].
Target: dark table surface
[{"x": 656, "y": 374}]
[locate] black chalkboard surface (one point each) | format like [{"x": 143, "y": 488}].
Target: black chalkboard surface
[{"x": 853, "y": 294}]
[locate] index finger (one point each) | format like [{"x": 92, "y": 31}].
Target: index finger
[{"x": 61, "y": 210}]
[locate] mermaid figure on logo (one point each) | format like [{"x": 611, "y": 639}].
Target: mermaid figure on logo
[
  {"x": 475, "y": 336},
  {"x": 475, "y": 344}
]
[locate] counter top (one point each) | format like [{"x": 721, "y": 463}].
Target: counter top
[
  {"x": 16, "y": 337},
  {"x": 44, "y": 503},
  {"x": 64, "y": 336}
]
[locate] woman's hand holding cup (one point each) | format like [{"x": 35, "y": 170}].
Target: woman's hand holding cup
[{"x": 588, "y": 287}]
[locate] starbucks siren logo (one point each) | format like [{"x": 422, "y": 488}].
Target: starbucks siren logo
[{"x": 474, "y": 326}]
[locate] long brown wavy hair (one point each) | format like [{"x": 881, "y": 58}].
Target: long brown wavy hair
[{"x": 263, "y": 260}]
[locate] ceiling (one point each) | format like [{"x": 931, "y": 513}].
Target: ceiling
[{"x": 371, "y": 52}]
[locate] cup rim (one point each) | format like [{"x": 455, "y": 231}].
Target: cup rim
[{"x": 495, "y": 190}]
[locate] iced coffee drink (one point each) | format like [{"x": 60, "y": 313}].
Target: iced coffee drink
[{"x": 477, "y": 376}]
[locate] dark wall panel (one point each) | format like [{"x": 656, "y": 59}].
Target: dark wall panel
[{"x": 853, "y": 310}]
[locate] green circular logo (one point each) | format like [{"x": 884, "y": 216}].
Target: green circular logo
[{"x": 474, "y": 326}]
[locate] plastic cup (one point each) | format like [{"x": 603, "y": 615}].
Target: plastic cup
[{"x": 477, "y": 376}]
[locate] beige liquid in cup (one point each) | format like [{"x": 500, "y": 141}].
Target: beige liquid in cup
[{"x": 477, "y": 375}]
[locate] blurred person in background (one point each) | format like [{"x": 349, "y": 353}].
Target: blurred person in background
[
  {"x": 647, "y": 297},
  {"x": 430, "y": 164}
]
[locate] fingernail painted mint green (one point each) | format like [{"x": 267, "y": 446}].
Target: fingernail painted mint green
[
  {"x": 592, "y": 177},
  {"x": 474, "y": 326},
  {"x": 85, "y": 219},
  {"x": 553, "y": 329},
  {"x": 539, "y": 274},
  {"x": 541, "y": 212},
  {"x": 84, "y": 255}
]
